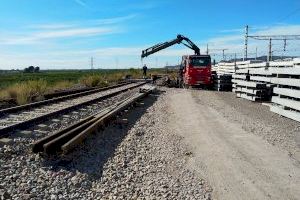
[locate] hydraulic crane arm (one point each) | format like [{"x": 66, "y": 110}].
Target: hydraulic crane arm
[{"x": 180, "y": 38}]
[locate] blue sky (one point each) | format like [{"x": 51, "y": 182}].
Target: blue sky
[{"x": 66, "y": 33}]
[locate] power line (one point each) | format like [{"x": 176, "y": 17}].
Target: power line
[
  {"x": 270, "y": 38},
  {"x": 223, "y": 51},
  {"x": 275, "y": 37}
]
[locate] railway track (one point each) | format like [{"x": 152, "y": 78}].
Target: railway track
[
  {"x": 68, "y": 138},
  {"x": 57, "y": 94},
  {"x": 63, "y": 97},
  {"x": 24, "y": 116}
]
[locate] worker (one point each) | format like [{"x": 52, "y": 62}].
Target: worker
[{"x": 145, "y": 71}]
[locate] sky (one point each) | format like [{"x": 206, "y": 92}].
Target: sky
[{"x": 65, "y": 34}]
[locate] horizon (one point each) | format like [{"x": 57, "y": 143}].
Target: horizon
[
  {"x": 139, "y": 67},
  {"x": 65, "y": 34}
]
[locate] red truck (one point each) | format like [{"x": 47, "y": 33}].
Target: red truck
[{"x": 195, "y": 70}]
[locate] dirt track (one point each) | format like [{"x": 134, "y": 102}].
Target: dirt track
[{"x": 238, "y": 160}]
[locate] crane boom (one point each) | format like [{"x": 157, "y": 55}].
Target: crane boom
[{"x": 178, "y": 40}]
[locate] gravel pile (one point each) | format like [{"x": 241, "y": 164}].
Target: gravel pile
[{"x": 139, "y": 159}]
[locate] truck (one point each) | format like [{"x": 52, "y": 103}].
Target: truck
[{"x": 194, "y": 70}]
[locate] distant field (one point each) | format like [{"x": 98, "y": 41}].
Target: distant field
[
  {"x": 24, "y": 88},
  {"x": 9, "y": 78}
]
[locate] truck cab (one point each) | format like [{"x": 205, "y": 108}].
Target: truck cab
[{"x": 196, "y": 70}]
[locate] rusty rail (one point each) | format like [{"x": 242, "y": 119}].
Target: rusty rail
[
  {"x": 67, "y": 139},
  {"x": 57, "y": 99}
]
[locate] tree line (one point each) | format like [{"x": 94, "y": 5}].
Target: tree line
[{"x": 32, "y": 69}]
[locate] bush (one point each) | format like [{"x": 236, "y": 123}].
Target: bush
[
  {"x": 61, "y": 85},
  {"x": 25, "y": 92},
  {"x": 93, "y": 81},
  {"x": 114, "y": 77},
  {"x": 4, "y": 95}
]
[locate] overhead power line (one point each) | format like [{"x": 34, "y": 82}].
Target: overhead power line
[
  {"x": 223, "y": 51},
  {"x": 275, "y": 37},
  {"x": 283, "y": 38}
]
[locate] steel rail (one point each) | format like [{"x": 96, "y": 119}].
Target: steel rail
[
  {"x": 67, "y": 139},
  {"x": 4, "y": 131},
  {"x": 74, "y": 91},
  {"x": 53, "y": 100}
]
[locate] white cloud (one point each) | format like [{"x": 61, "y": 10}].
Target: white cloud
[
  {"x": 232, "y": 30},
  {"x": 81, "y": 3},
  {"x": 36, "y": 33},
  {"x": 52, "y": 26},
  {"x": 93, "y": 22},
  {"x": 56, "y": 34},
  {"x": 115, "y": 20},
  {"x": 80, "y": 32},
  {"x": 280, "y": 30}
]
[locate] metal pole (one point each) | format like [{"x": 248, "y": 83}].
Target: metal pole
[
  {"x": 270, "y": 50},
  {"x": 207, "y": 48},
  {"x": 256, "y": 53},
  {"x": 234, "y": 62},
  {"x": 284, "y": 45},
  {"x": 223, "y": 54},
  {"x": 246, "y": 44}
]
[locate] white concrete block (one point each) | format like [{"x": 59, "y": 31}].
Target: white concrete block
[
  {"x": 286, "y": 81},
  {"x": 287, "y": 113},
  {"x": 287, "y": 92},
  {"x": 287, "y": 102}
]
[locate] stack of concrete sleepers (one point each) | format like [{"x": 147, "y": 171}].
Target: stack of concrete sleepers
[
  {"x": 222, "y": 82},
  {"x": 286, "y": 97},
  {"x": 214, "y": 68},
  {"x": 253, "y": 84},
  {"x": 250, "y": 64},
  {"x": 222, "y": 79},
  {"x": 226, "y": 68},
  {"x": 240, "y": 75},
  {"x": 296, "y": 62}
]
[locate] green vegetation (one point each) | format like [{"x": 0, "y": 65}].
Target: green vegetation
[
  {"x": 53, "y": 76},
  {"x": 26, "y": 87}
]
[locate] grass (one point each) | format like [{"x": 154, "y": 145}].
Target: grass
[
  {"x": 27, "y": 87},
  {"x": 51, "y": 77},
  {"x": 25, "y": 92},
  {"x": 93, "y": 81},
  {"x": 60, "y": 85}
]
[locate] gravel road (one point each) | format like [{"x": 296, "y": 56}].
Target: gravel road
[
  {"x": 242, "y": 149},
  {"x": 137, "y": 159},
  {"x": 255, "y": 118}
]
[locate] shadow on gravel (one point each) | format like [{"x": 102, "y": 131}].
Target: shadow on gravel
[{"x": 90, "y": 158}]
